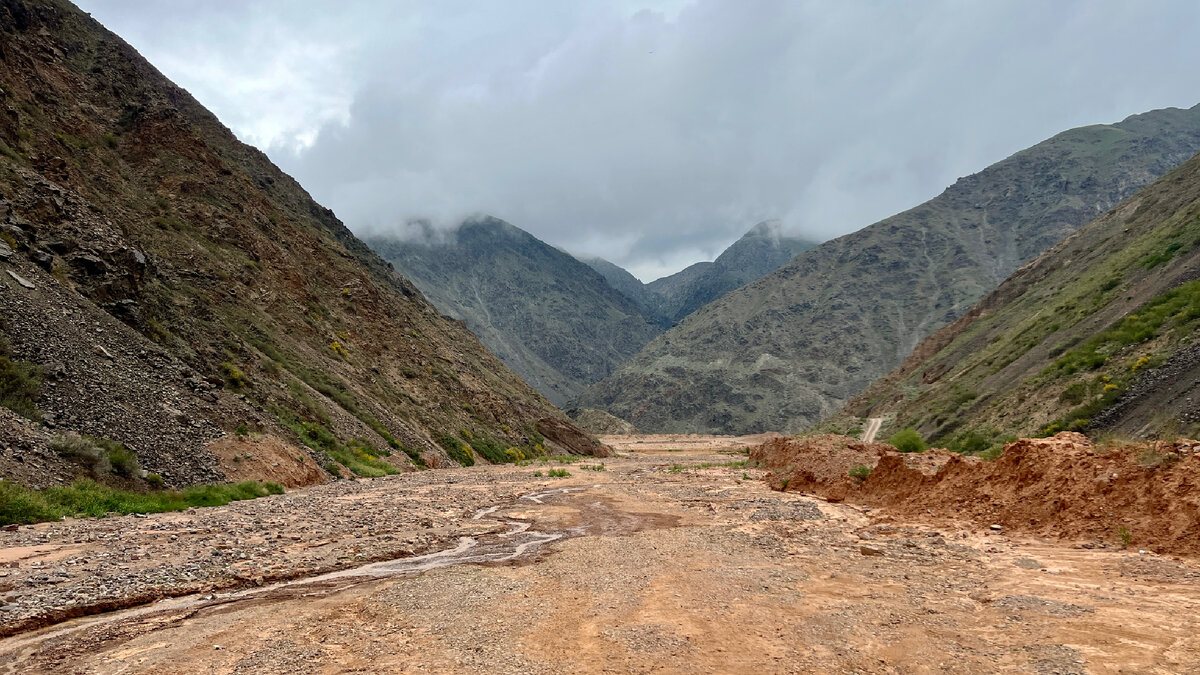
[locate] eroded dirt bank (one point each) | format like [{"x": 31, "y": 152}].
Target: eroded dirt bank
[
  {"x": 657, "y": 567},
  {"x": 1136, "y": 495}
]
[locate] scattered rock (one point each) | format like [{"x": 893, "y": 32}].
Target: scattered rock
[
  {"x": 870, "y": 550},
  {"x": 21, "y": 280}
]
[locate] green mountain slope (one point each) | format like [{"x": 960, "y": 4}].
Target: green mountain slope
[
  {"x": 1097, "y": 334},
  {"x": 550, "y": 317},
  {"x": 791, "y": 348},
  {"x": 167, "y": 285}
]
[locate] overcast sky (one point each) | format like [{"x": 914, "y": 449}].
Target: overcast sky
[{"x": 654, "y": 133}]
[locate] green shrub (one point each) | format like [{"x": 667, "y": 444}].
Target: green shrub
[
  {"x": 558, "y": 473},
  {"x": 859, "y": 473},
  {"x": 20, "y": 384},
  {"x": 908, "y": 440},
  {"x": 155, "y": 480},
  {"x": 235, "y": 379},
  {"x": 124, "y": 461},
  {"x": 99, "y": 455},
  {"x": 82, "y": 450},
  {"x": 979, "y": 441}
]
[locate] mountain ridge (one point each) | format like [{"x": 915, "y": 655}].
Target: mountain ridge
[
  {"x": 553, "y": 319},
  {"x": 1094, "y": 335},
  {"x": 791, "y": 348}
]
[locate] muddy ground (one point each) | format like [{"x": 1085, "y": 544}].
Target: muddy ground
[{"x": 652, "y": 565}]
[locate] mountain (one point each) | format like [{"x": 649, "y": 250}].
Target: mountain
[
  {"x": 792, "y": 347},
  {"x": 665, "y": 301},
  {"x": 167, "y": 288},
  {"x": 550, "y": 317},
  {"x": 1098, "y": 334},
  {"x": 631, "y": 287},
  {"x": 762, "y": 250}
]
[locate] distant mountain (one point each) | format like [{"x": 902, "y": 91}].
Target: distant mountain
[
  {"x": 631, "y": 287},
  {"x": 548, "y": 316},
  {"x": 665, "y": 301},
  {"x": 1098, "y": 334},
  {"x": 762, "y": 250},
  {"x": 792, "y": 347}
]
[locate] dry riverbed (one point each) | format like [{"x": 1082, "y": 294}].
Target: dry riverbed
[{"x": 648, "y": 566}]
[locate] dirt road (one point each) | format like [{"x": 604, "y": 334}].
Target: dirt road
[
  {"x": 873, "y": 424},
  {"x": 655, "y": 564}
]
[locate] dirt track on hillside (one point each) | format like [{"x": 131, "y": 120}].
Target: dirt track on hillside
[{"x": 658, "y": 568}]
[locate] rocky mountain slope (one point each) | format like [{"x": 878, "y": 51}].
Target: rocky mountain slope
[
  {"x": 547, "y": 315},
  {"x": 762, "y": 250},
  {"x": 647, "y": 301},
  {"x": 791, "y": 348},
  {"x": 1098, "y": 334},
  {"x": 164, "y": 286}
]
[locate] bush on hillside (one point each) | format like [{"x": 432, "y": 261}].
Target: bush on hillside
[{"x": 908, "y": 440}]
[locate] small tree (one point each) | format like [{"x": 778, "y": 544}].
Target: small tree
[{"x": 908, "y": 440}]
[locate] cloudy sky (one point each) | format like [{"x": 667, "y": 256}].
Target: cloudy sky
[{"x": 655, "y": 132}]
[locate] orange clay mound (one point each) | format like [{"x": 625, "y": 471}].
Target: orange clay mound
[
  {"x": 817, "y": 464},
  {"x": 1063, "y": 487}
]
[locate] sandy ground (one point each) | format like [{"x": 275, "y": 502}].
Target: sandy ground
[
  {"x": 655, "y": 565},
  {"x": 650, "y": 443}
]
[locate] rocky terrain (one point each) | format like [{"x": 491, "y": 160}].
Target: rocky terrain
[
  {"x": 663, "y": 561},
  {"x": 1098, "y": 334},
  {"x": 794, "y": 346},
  {"x": 599, "y": 422},
  {"x": 163, "y": 285},
  {"x": 551, "y": 318}
]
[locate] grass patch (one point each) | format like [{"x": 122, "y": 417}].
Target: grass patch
[
  {"x": 1180, "y": 306},
  {"x": 87, "y": 498},
  {"x": 456, "y": 449},
  {"x": 357, "y": 455},
  {"x": 20, "y": 384},
  {"x": 859, "y": 473},
  {"x": 593, "y": 467},
  {"x": 363, "y": 459},
  {"x": 558, "y": 473}
]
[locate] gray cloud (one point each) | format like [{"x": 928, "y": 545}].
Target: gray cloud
[{"x": 655, "y": 133}]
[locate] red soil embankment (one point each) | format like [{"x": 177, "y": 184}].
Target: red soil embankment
[{"x": 1062, "y": 487}]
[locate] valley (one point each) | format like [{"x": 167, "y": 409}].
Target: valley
[
  {"x": 665, "y": 561},
  {"x": 235, "y": 437}
]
